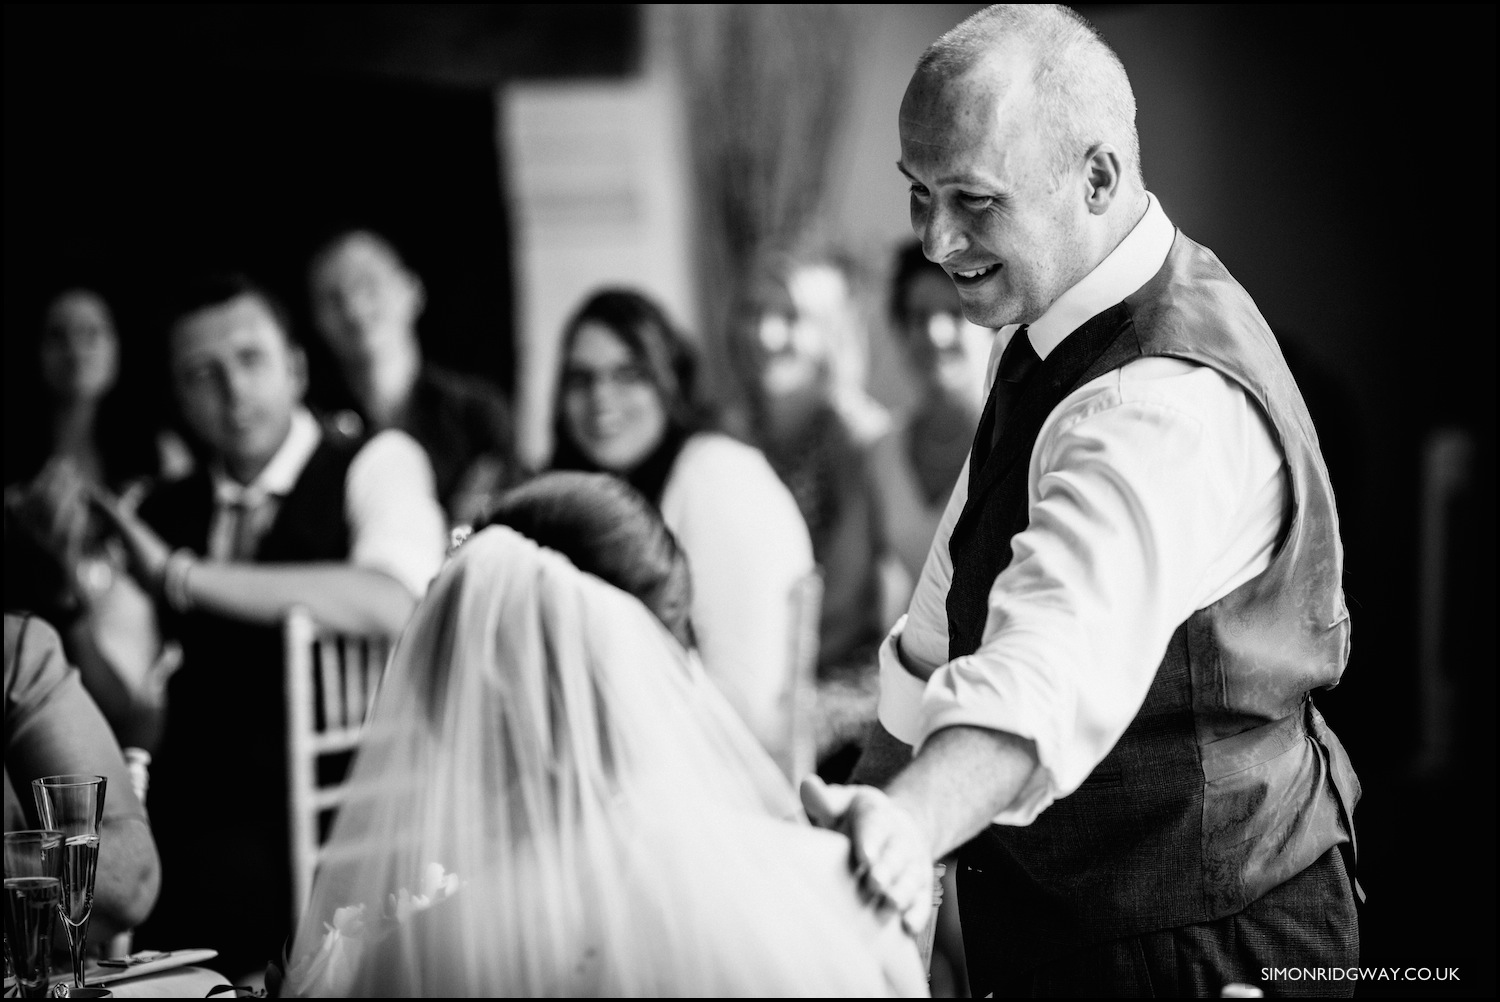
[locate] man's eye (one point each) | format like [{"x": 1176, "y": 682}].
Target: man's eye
[
  {"x": 977, "y": 202},
  {"x": 917, "y": 191}
]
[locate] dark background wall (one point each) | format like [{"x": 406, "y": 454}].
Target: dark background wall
[
  {"x": 145, "y": 142},
  {"x": 1334, "y": 157}
]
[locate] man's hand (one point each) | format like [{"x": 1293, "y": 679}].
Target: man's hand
[
  {"x": 891, "y": 856},
  {"x": 147, "y": 552}
]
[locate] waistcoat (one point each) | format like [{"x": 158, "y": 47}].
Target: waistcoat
[
  {"x": 218, "y": 784},
  {"x": 230, "y": 680},
  {"x": 1227, "y": 781}
]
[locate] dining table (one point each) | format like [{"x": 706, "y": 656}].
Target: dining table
[
  {"x": 149, "y": 974},
  {"x": 189, "y": 982}
]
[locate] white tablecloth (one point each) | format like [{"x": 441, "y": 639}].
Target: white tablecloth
[{"x": 178, "y": 983}]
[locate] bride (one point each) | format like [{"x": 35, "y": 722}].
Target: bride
[{"x": 552, "y": 799}]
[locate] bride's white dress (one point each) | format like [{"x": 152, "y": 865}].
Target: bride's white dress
[{"x": 553, "y": 800}]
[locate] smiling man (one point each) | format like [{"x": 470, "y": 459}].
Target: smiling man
[{"x": 1101, "y": 694}]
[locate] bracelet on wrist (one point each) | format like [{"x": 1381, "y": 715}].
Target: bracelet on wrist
[{"x": 174, "y": 581}]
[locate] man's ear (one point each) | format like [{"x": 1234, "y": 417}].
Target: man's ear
[
  {"x": 1104, "y": 172},
  {"x": 296, "y": 360}
]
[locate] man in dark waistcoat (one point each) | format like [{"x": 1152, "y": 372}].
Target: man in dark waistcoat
[
  {"x": 284, "y": 514},
  {"x": 1101, "y": 694},
  {"x": 366, "y": 304}
]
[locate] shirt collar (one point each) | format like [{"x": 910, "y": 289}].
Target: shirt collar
[
  {"x": 282, "y": 472},
  {"x": 1128, "y": 267}
]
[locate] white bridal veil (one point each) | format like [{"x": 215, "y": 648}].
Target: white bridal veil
[{"x": 551, "y": 800}]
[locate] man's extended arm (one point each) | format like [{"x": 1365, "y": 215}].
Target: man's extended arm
[
  {"x": 1144, "y": 510},
  {"x": 948, "y": 793},
  {"x": 340, "y": 597},
  {"x": 397, "y": 545}
]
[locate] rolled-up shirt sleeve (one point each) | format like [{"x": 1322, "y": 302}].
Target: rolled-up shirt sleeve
[
  {"x": 918, "y": 643},
  {"x": 1154, "y": 491},
  {"x": 396, "y": 524}
]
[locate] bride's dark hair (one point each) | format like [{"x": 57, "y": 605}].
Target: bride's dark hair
[{"x": 608, "y": 529}]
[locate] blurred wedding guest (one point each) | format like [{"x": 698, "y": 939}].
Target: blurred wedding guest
[
  {"x": 53, "y": 728},
  {"x": 366, "y": 304},
  {"x": 287, "y": 513},
  {"x": 626, "y": 406},
  {"x": 915, "y": 466},
  {"x": 87, "y": 434},
  {"x": 797, "y": 314},
  {"x": 917, "y": 463}
]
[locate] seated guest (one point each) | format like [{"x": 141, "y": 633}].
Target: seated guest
[
  {"x": 59, "y": 561},
  {"x": 87, "y": 435},
  {"x": 794, "y": 324},
  {"x": 366, "y": 303},
  {"x": 541, "y": 807},
  {"x": 285, "y": 514},
  {"x": 53, "y": 728},
  {"x": 917, "y": 463},
  {"x": 609, "y": 529},
  {"x": 626, "y": 406}
]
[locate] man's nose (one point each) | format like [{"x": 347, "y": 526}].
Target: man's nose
[
  {"x": 941, "y": 232},
  {"x": 235, "y": 384}
]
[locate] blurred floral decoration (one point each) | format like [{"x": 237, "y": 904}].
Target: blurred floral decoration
[{"x": 766, "y": 89}]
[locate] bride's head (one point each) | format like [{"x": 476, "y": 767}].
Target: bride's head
[
  {"x": 607, "y": 529},
  {"x": 543, "y": 744},
  {"x": 548, "y": 659}
]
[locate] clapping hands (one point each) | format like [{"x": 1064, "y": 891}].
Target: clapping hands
[{"x": 891, "y": 856}]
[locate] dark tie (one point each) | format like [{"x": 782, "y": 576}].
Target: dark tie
[
  {"x": 250, "y": 515},
  {"x": 1017, "y": 362}
]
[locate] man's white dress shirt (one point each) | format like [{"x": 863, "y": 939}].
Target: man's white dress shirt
[
  {"x": 390, "y": 502},
  {"x": 1154, "y": 490}
]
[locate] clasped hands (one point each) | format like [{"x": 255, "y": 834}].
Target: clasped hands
[{"x": 891, "y": 855}]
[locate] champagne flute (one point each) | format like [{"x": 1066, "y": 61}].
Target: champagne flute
[
  {"x": 74, "y": 805},
  {"x": 33, "y": 890}
]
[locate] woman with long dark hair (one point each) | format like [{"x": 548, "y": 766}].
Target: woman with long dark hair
[
  {"x": 626, "y": 405},
  {"x": 80, "y": 436}
]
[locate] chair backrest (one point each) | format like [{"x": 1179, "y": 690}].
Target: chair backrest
[
  {"x": 331, "y": 681},
  {"x": 801, "y": 755}
]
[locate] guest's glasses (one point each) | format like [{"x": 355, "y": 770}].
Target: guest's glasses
[
  {"x": 74, "y": 806},
  {"x": 583, "y": 379}
]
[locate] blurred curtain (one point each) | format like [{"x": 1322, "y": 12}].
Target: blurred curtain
[{"x": 765, "y": 88}]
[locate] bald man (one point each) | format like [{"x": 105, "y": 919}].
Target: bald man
[{"x": 1101, "y": 695}]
